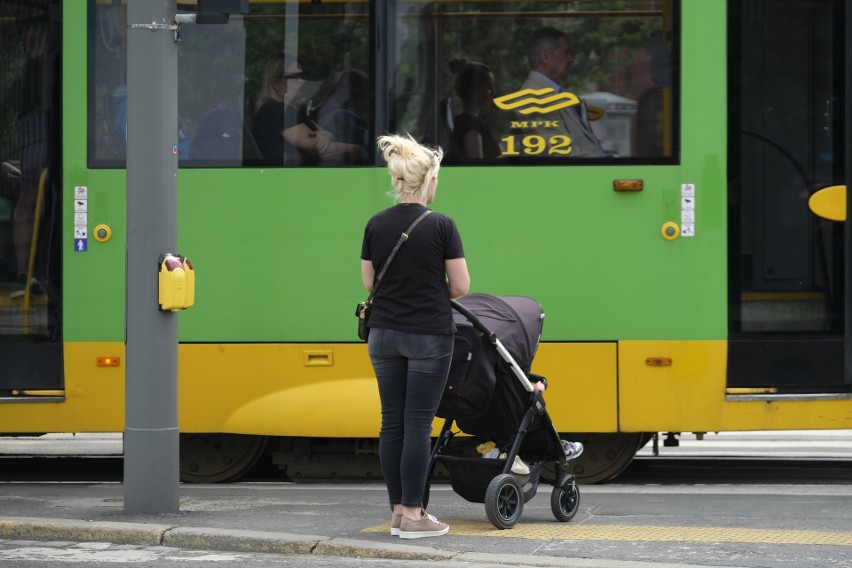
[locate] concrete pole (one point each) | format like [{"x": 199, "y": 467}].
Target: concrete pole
[{"x": 151, "y": 441}]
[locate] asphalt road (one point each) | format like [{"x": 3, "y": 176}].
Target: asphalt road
[{"x": 760, "y": 500}]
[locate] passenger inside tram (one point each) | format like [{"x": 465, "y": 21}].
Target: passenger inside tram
[
  {"x": 284, "y": 132},
  {"x": 342, "y": 113},
  {"x": 550, "y": 56},
  {"x": 283, "y": 137},
  {"x": 474, "y": 85}
]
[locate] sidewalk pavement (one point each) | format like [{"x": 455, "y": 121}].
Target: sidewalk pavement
[{"x": 350, "y": 520}]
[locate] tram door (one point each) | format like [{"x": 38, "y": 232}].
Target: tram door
[
  {"x": 30, "y": 208},
  {"x": 786, "y": 141}
]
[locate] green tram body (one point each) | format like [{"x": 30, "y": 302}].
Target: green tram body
[{"x": 642, "y": 334}]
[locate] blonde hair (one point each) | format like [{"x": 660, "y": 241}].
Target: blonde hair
[
  {"x": 411, "y": 165},
  {"x": 275, "y": 67}
]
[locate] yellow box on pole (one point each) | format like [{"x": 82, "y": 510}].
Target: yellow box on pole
[{"x": 176, "y": 283}]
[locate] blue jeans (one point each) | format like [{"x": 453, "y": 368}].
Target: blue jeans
[{"x": 411, "y": 370}]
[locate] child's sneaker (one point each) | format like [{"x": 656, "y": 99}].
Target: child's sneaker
[
  {"x": 424, "y": 527},
  {"x": 520, "y": 467},
  {"x": 396, "y": 519},
  {"x": 572, "y": 449}
]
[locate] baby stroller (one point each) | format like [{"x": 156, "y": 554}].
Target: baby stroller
[{"x": 490, "y": 395}]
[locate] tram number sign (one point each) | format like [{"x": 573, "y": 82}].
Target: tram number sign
[{"x": 536, "y": 145}]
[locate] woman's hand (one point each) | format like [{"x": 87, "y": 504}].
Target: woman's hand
[{"x": 324, "y": 142}]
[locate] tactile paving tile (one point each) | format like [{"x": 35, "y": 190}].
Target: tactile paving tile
[{"x": 646, "y": 533}]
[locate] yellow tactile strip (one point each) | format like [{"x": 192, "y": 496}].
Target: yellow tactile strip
[{"x": 643, "y": 533}]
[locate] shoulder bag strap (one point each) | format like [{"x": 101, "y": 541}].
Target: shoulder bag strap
[{"x": 402, "y": 238}]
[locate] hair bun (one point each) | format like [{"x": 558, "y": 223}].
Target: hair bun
[{"x": 458, "y": 65}]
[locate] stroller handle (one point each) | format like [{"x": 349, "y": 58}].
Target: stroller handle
[{"x": 471, "y": 317}]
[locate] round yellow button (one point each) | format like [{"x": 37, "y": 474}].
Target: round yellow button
[
  {"x": 102, "y": 233},
  {"x": 670, "y": 230}
]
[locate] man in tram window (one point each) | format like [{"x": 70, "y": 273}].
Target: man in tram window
[{"x": 550, "y": 57}]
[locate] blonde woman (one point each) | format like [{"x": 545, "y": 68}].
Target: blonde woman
[
  {"x": 411, "y": 325},
  {"x": 282, "y": 136}
]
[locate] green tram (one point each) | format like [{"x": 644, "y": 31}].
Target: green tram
[{"x": 693, "y": 275}]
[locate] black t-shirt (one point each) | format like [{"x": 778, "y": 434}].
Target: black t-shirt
[
  {"x": 465, "y": 122},
  {"x": 413, "y": 295},
  {"x": 272, "y": 119}
]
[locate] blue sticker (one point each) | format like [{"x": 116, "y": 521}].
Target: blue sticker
[
  {"x": 81, "y": 245},
  {"x": 174, "y": 150}
]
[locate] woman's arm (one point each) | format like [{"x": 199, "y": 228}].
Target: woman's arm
[
  {"x": 368, "y": 274},
  {"x": 473, "y": 145},
  {"x": 458, "y": 278}
]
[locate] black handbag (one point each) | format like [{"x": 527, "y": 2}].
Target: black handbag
[{"x": 362, "y": 311}]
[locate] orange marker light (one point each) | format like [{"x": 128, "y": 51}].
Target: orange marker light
[
  {"x": 658, "y": 361},
  {"x": 109, "y": 361},
  {"x": 627, "y": 185}
]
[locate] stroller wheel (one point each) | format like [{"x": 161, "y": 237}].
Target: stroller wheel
[
  {"x": 565, "y": 501},
  {"x": 504, "y": 501}
]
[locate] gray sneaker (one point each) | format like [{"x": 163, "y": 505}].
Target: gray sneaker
[
  {"x": 396, "y": 519},
  {"x": 424, "y": 527},
  {"x": 572, "y": 449}
]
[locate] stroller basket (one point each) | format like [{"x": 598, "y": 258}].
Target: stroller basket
[{"x": 470, "y": 477}]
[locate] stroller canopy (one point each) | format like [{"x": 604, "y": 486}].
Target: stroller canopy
[
  {"x": 515, "y": 320},
  {"x": 483, "y": 395},
  {"x": 476, "y": 367}
]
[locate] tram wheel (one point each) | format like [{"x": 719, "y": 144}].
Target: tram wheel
[
  {"x": 565, "y": 501},
  {"x": 217, "y": 458},
  {"x": 504, "y": 501},
  {"x": 604, "y": 455}
]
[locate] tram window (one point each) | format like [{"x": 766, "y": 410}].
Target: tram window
[
  {"x": 608, "y": 63},
  {"x": 322, "y": 100},
  {"x": 30, "y": 115}
]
